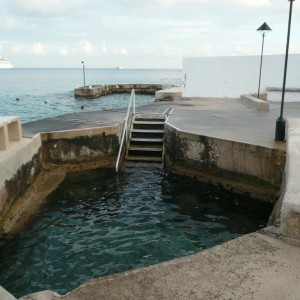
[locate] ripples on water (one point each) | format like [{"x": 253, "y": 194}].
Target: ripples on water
[
  {"x": 99, "y": 222},
  {"x": 50, "y": 92}
]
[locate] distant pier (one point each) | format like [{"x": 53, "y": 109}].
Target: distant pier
[{"x": 95, "y": 91}]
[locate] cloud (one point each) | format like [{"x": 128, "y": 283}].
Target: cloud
[
  {"x": 150, "y": 32},
  {"x": 18, "y": 49},
  {"x": 36, "y": 7},
  {"x": 64, "y": 51},
  {"x": 38, "y": 49},
  {"x": 87, "y": 48},
  {"x": 47, "y": 8},
  {"x": 242, "y": 51},
  {"x": 255, "y": 3},
  {"x": 119, "y": 50},
  {"x": 11, "y": 23},
  {"x": 295, "y": 48},
  {"x": 205, "y": 50},
  {"x": 104, "y": 49}
]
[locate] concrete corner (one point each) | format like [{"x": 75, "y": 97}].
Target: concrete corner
[
  {"x": 44, "y": 295},
  {"x": 5, "y": 295},
  {"x": 168, "y": 94},
  {"x": 253, "y": 102},
  {"x": 290, "y": 211}
]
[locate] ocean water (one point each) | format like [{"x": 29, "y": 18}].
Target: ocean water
[
  {"x": 35, "y": 94},
  {"x": 100, "y": 222}
]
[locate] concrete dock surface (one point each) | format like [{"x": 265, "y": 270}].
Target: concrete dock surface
[
  {"x": 260, "y": 265},
  {"x": 216, "y": 117}
]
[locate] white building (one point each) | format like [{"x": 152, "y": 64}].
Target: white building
[{"x": 233, "y": 76}]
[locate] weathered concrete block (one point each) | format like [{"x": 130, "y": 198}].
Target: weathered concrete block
[
  {"x": 19, "y": 168},
  {"x": 95, "y": 91},
  {"x": 254, "y": 169},
  {"x": 5, "y": 295},
  {"x": 290, "y": 210},
  {"x": 79, "y": 147},
  {"x": 10, "y": 131},
  {"x": 254, "y": 102},
  {"x": 168, "y": 94}
]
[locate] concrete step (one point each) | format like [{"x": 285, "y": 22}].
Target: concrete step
[
  {"x": 148, "y": 126},
  {"x": 145, "y": 148},
  {"x": 147, "y": 131},
  {"x": 144, "y": 158},
  {"x": 150, "y": 119},
  {"x": 149, "y": 122},
  {"x": 147, "y": 140},
  {"x": 146, "y": 143}
]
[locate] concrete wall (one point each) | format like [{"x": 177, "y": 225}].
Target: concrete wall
[
  {"x": 32, "y": 169},
  {"x": 82, "y": 149},
  {"x": 94, "y": 91},
  {"x": 290, "y": 210},
  {"x": 233, "y": 76},
  {"x": 19, "y": 167},
  {"x": 244, "y": 167}
]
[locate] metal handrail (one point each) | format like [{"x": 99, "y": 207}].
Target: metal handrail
[{"x": 125, "y": 128}]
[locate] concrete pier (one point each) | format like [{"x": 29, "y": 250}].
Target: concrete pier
[
  {"x": 261, "y": 265},
  {"x": 95, "y": 91}
]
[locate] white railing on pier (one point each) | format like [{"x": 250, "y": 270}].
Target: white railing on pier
[{"x": 124, "y": 137}]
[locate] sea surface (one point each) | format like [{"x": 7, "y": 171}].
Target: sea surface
[
  {"x": 100, "y": 222},
  {"x": 35, "y": 94}
]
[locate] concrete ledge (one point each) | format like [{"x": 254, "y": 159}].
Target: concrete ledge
[
  {"x": 290, "y": 211},
  {"x": 5, "y": 295},
  {"x": 249, "y": 168},
  {"x": 291, "y": 94},
  {"x": 10, "y": 131},
  {"x": 277, "y": 89},
  {"x": 168, "y": 94},
  {"x": 254, "y": 102},
  {"x": 19, "y": 167},
  {"x": 95, "y": 91}
]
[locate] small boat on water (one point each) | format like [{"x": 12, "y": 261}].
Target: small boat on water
[
  {"x": 120, "y": 67},
  {"x": 5, "y": 64}
]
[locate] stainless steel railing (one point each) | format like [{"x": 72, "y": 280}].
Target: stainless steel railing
[{"x": 125, "y": 128}]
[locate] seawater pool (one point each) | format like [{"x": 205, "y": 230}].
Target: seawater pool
[{"x": 99, "y": 223}]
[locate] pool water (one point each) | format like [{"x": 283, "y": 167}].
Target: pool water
[{"x": 99, "y": 223}]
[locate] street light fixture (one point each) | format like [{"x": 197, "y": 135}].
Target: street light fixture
[
  {"x": 264, "y": 28},
  {"x": 83, "y": 69},
  {"x": 280, "y": 122}
]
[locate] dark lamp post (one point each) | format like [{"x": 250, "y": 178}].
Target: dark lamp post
[
  {"x": 264, "y": 28},
  {"x": 280, "y": 122},
  {"x": 83, "y": 69}
]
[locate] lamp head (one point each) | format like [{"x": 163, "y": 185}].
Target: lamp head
[{"x": 264, "y": 28}]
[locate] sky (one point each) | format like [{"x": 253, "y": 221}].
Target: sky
[{"x": 140, "y": 33}]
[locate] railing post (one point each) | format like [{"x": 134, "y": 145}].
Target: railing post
[
  {"x": 133, "y": 92},
  {"x": 125, "y": 130}
]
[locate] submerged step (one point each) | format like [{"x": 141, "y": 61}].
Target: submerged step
[{"x": 144, "y": 158}]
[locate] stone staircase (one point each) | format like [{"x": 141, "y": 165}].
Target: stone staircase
[{"x": 146, "y": 139}]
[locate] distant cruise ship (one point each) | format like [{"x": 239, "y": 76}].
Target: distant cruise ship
[{"x": 5, "y": 64}]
